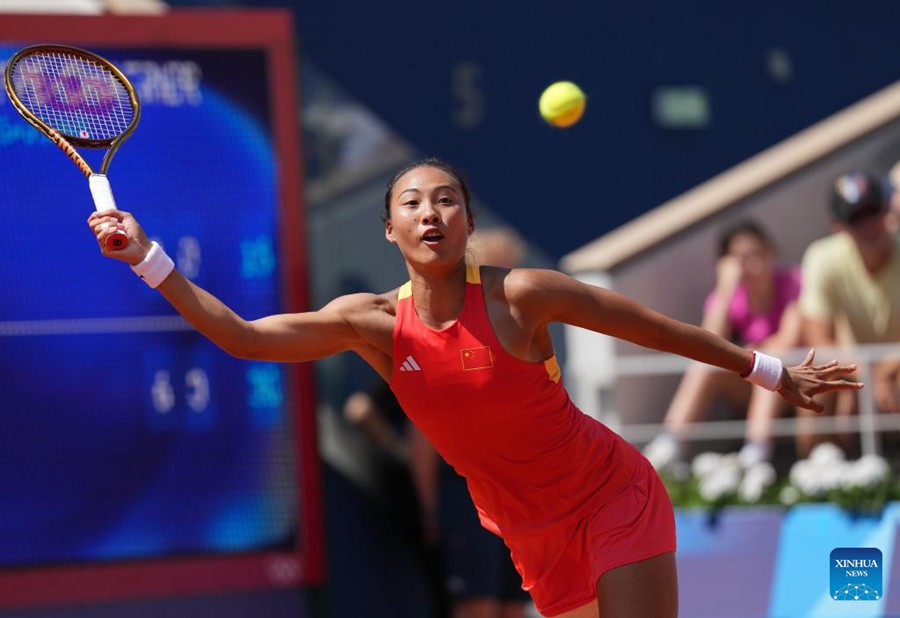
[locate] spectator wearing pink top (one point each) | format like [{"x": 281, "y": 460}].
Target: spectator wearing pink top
[{"x": 753, "y": 304}]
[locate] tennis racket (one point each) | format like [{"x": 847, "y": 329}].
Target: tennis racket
[{"x": 76, "y": 98}]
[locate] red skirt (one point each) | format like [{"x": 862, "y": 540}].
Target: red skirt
[{"x": 560, "y": 567}]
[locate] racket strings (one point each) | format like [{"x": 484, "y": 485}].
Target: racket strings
[{"x": 76, "y": 96}]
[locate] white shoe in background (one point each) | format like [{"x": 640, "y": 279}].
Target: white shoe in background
[{"x": 753, "y": 454}]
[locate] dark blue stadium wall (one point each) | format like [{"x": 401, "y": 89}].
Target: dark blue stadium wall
[{"x": 422, "y": 66}]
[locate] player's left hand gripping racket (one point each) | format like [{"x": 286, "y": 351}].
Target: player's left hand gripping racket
[{"x": 76, "y": 98}]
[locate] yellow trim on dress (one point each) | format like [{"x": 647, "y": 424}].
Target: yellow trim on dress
[
  {"x": 552, "y": 368},
  {"x": 473, "y": 273},
  {"x": 405, "y": 291}
]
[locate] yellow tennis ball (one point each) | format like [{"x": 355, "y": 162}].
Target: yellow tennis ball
[{"x": 562, "y": 104}]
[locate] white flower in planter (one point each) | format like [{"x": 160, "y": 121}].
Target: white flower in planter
[
  {"x": 830, "y": 474},
  {"x": 806, "y": 476},
  {"x": 788, "y": 495},
  {"x": 825, "y": 470},
  {"x": 866, "y": 472},
  {"x": 755, "y": 481},
  {"x": 851, "y": 477},
  {"x": 802, "y": 474},
  {"x": 721, "y": 482},
  {"x": 826, "y": 453},
  {"x": 704, "y": 463}
]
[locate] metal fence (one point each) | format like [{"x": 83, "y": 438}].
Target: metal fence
[{"x": 868, "y": 423}]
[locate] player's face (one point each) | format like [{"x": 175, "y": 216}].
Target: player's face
[{"x": 429, "y": 219}]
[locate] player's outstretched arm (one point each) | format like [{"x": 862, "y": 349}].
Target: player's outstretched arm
[
  {"x": 545, "y": 296},
  {"x": 285, "y": 337}
]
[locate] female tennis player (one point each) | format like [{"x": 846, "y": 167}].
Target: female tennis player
[{"x": 468, "y": 353}]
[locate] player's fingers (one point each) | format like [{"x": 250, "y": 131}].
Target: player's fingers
[
  {"x": 105, "y": 216},
  {"x": 102, "y": 223},
  {"x": 118, "y": 215},
  {"x": 113, "y": 226},
  {"x": 825, "y": 366},
  {"x": 810, "y": 357},
  {"x": 104, "y": 235},
  {"x": 836, "y": 372},
  {"x": 837, "y": 385}
]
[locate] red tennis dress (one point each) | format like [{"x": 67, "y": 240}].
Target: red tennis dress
[{"x": 569, "y": 497}]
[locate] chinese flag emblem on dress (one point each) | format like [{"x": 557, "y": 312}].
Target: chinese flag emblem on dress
[{"x": 477, "y": 358}]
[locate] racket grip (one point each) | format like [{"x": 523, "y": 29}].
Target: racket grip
[{"x": 101, "y": 191}]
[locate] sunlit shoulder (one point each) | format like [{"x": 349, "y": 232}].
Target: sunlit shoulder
[{"x": 532, "y": 291}]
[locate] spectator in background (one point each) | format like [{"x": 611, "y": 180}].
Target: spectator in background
[
  {"x": 481, "y": 579},
  {"x": 378, "y": 414},
  {"x": 754, "y": 305},
  {"x": 851, "y": 288},
  {"x": 497, "y": 247}
]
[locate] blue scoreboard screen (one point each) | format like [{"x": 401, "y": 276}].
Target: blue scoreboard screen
[{"x": 128, "y": 440}]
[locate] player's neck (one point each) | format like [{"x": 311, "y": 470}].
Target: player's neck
[{"x": 438, "y": 294}]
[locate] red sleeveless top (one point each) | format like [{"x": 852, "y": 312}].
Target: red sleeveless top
[{"x": 530, "y": 457}]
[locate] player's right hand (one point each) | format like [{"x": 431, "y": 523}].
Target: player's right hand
[
  {"x": 800, "y": 383},
  {"x": 104, "y": 223}
]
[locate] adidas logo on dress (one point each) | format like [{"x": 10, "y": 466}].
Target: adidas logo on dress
[{"x": 410, "y": 364}]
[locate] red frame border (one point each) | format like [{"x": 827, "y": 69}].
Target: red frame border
[{"x": 270, "y": 30}]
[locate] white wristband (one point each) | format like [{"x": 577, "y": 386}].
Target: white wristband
[
  {"x": 155, "y": 266},
  {"x": 766, "y": 371}
]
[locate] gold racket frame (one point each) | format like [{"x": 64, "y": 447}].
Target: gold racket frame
[{"x": 66, "y": 142}]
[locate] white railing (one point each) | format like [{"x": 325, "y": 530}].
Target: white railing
[{"x": 869, "y": 424}]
